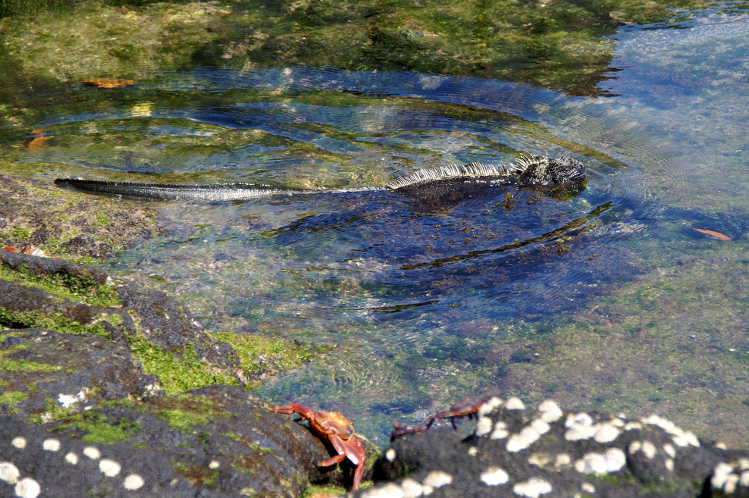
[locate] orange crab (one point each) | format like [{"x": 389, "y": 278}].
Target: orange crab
[
  {"x": 466, "y": 408},
  {"x": 338, "y": 430}
]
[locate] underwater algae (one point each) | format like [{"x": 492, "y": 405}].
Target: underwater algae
[{"x": 556, "y": 44}]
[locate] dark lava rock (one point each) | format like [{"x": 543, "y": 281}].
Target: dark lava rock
[
  {"x": 170, "y": 326},
  {"x": 152, "y": 314},
  {"x": 33, "y": 459},
  {"x": 48, "y": 371},
  {"x": 69, "y": 223},
  {"x": 515, "y": 451},
  {"x": 103, "y": 427},
  {"x": 51, "y": 267},
  {"x": 215, "y": 441},
  {"x": 84, "y": 245}
]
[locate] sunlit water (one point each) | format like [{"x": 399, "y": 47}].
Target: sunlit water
[{"x": 416, "y": 294}]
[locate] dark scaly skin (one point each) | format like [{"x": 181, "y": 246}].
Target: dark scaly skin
[{"x": 528, "y": 171}]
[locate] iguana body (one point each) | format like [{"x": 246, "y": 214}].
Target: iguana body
[{"x": 528, "y": 171}]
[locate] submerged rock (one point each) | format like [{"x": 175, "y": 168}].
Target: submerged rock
[
  {"x": 82, "y": 416},
  {"x": 545, "y": 451}
]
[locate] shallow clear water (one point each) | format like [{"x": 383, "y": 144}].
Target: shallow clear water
[{"x": 429, "y": 302}]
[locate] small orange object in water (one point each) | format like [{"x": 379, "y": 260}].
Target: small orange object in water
[
  {"x": 39, "y": 140},
  {"x": 9, "y": 249},
  {"x": 109, "y": 82},
  {"x": 717, "y": 235}
]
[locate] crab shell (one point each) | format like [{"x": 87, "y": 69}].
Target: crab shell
[
  {"x": 338, "y": 430},
  {"x": 332, "y": 423}
]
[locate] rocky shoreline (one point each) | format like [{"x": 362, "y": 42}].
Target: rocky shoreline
[{"x": 84, "y": 363}]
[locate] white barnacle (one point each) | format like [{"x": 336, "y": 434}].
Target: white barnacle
[
  {"x": 670, "y": 450},
  {"x": 483, "y": 426},
  {"x": 411, "y": 488},
  {"x": 488, "y": 407},
  {"x": 71, "y": 458},
  {"x": 533, "y": 487},
  {"x": 579, "y": 432},
  {"x": 744, "y": 478},
  {"x": 550, "y": 411},
  {"x": 494, "y": 476},
  {"x": 646, "y": 447},
  {"x": 27, "y": 488},
  {"x": 19, "y": 442},
  {"x": 730, "y": 485},
  {"x": 581, "y": 418},
  {"x": 592, "y": 463},
  {"x": 514, "y": 404},
  {"x": 526, "y": 437},
  {"x": 607, "y": 433},
  {"x": 540, "y": 426},
  {"x": 390, "y": 455},
  {"x": 720, "y": 475},
  {"x": 109, "y": 468},
  {"x": 686, "y": 438},
  {"x": 9, "y": 472},
  {"x": 214, "y": 464},
  {"x": 615, "y": 459},
  {"x": 588, "y": 488},
  {"x": 562, "y": 460},
  {"x": 92, "y": 452},
  {"x": 680, "y": 437},
  {"x": 438, "y": 478},
  {"x": 500, "y": 431},
  {"x": 51, "y": 444},
  {"x": 389, "y": 490},
  {"x": 133, "y": 482}
]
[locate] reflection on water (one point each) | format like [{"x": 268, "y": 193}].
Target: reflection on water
[{"x": 426, "y": 303}]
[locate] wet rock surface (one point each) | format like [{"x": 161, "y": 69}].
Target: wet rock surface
[
  {"x": 545, "y": 451},
  {"x": 81, "y": 416},
  {"x": 33, "y": 213},
  {"x": 216, "y": 441}
]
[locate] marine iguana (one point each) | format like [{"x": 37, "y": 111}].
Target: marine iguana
[{"x": 527, "y": 171}]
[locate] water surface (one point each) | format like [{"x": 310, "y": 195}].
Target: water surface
[{"x": 601, "y": 296}]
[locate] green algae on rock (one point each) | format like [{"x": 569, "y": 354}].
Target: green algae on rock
[{"x": 556, "y": 44}]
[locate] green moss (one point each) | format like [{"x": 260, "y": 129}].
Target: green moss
[
  {"x": 74, "y": 287},
  {"x": 101, "y": 220},
  {"x": 12, "y": 398},
  {"x": 25, "y": 366},
  {"x": 18, "y": 232},
  {"x": 113, "y": 318},
  {"x": 261, "y": 354},
  {"x": 558, "y": 44},
  {"x": 185, "y": 413},
  {"x": 328, "y": 490},
  {"x": 16, "y": 7},
  {"x": 184, "y": 421},
  {"x": 99, "y": 429},
  {"x": 232, "y": 435},
  {"x": 51, "y": 321},
  {"x": 199, "y": 476},
  {"x": 52, "y": 411},
  {"x": 176, "y": 374}
]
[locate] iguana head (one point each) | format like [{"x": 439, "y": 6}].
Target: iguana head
[{"x": 550, "y": 172}]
